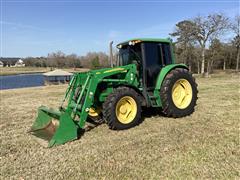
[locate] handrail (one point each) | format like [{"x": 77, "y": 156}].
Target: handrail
[
  {"x": 81, "y": 94},
  {"x": 68, "y": 89}
]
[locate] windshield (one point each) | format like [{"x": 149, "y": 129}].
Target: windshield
[{"x": 129, "y": 55}]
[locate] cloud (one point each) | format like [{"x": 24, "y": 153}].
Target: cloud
[
  {"x": 113, "y": 34},
  {"x": 21, "y": 26},
  {"x": 232, "y": 12},
  {"x": 156, "y": 30}
]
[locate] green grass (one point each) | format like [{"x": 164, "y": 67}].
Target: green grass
[
  {"x": 204, "y": 145},
  {"x": 21, "y": 70},
  {"x": 4, "y": 71}
]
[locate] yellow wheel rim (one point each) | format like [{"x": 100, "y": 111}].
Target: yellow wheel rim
[
  {"x": 94, "y": 112},
  {"x": 126, "y": 109},
  {"x": 182, "y": 93}
]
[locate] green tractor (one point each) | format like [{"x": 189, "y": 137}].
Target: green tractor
[{"x": 145, "y": 76}]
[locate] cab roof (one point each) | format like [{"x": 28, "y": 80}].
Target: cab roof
[{"x": 167, "y": 40}]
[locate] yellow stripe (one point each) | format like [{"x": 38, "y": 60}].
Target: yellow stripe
[{"x": 112, "y": 70}]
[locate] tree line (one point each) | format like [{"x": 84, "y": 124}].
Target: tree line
[{"x": 92, "y": 60}]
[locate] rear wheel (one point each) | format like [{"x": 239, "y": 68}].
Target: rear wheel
[
  {"x": 178, "y": 93},
  {"x": 122, "y": 109}
]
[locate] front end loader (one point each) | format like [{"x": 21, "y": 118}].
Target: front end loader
[{"x": 146, "y": 75}]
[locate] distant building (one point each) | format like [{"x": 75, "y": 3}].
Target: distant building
[
  {"x": 9, "y": 61},
  {"x": 19, "y": 63},
  {"x": 57, "y": 76},
  {"x": 1, "y": 64}
]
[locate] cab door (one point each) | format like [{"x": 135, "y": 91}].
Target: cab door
[{"x": 156, "y": 56}]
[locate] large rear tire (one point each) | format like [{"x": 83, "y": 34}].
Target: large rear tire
[
  {"x": 122, "y": 109},
  {"x": 178, "y": 93}
]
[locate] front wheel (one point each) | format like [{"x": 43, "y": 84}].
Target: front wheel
[
  {"x": 122, "y": 109},
  {"x": 178, "y": 93}
]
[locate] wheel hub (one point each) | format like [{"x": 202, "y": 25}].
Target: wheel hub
[
  {"x": 123, "y": 109},
  {"x": 126, "y": 109},
  {"x": 182, "y": 93}
]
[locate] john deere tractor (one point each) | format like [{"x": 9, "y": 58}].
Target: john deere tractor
[{"x": 145, "y": 75}]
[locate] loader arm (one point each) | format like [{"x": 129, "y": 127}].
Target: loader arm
[{"x": 85, "y": 100}]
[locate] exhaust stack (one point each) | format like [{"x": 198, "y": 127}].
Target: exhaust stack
[{"x": 111, "y": 54}]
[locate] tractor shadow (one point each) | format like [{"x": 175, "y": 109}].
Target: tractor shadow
[
  {"x": 151, "y": 112},
  {"x": 146, "y": 113},
  {"x": 90, "y": 125}
]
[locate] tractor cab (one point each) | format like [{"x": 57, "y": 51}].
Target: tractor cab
[{"x": 149, "y": 55}]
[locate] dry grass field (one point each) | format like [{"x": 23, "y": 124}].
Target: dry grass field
[{"x": 204, "y": 145}]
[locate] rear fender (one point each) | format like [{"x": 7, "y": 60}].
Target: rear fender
[{"x": 161, "y": 78}]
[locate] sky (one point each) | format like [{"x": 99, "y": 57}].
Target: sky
[{"x": 38, "y": 27}]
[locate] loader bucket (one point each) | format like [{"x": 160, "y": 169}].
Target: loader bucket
[{"x": 53, "y": 127}]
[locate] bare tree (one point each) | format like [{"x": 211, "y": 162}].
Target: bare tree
[
  {"x": 235, "y": 26},
  {"x": 73, "y": 60},
  {"x": 206, "y": 28},
  {"x": 200, "y": 30}
]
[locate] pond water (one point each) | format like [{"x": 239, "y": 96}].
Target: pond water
[{"x": 21, "y": 80}]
